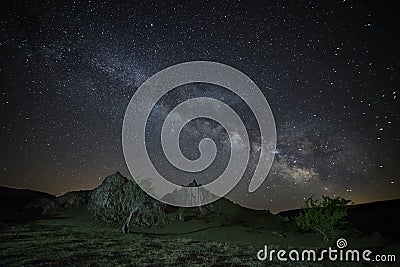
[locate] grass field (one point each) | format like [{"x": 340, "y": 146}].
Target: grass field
[
  {"x": 71, "y": 239},
  {"x": 66, "y": 240}
]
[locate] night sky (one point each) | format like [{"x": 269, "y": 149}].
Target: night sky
[{"x": 329, "y": 70}]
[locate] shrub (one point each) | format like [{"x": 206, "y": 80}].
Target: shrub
[{"x": 324, "y": 217}]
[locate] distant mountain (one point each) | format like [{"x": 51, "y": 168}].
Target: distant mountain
[
  {"x": 13, "y": 202},
  {"x": 380, "y": 216}
]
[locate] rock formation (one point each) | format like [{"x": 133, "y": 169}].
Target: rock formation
[
  {"x": 118, "y": 198},
  {"x": 122, "y": 203}
]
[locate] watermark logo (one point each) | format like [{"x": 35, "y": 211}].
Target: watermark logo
[
  {"x": 341, "y": 243},
  {"x": 329, "y": 254},
  {"x": 151, "y": 91}
]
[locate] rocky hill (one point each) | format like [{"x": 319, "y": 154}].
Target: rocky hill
[
  {"x": 113, "y": 202},
  {"x": 120, "y": 202}
]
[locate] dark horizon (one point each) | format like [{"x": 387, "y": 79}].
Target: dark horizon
[{"x": 276, "y": 212}]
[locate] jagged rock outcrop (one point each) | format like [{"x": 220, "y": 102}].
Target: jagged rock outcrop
[
  {"x": 198, "y": 195},
  {"x": 119, "y": 198}
]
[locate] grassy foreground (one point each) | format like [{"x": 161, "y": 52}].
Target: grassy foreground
[
  {"x": 76, "y": 241},
  {"x": 71, "y": 239}
]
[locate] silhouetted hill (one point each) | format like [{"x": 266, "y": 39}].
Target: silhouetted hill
[
  {"x": 13, "y": 202},
  {"x": 380, "y": 216}
]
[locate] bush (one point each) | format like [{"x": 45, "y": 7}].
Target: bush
[{"x": 324, "y": 217}]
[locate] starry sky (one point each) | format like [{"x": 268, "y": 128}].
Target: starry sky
[{"x": 329, "y": 70}]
